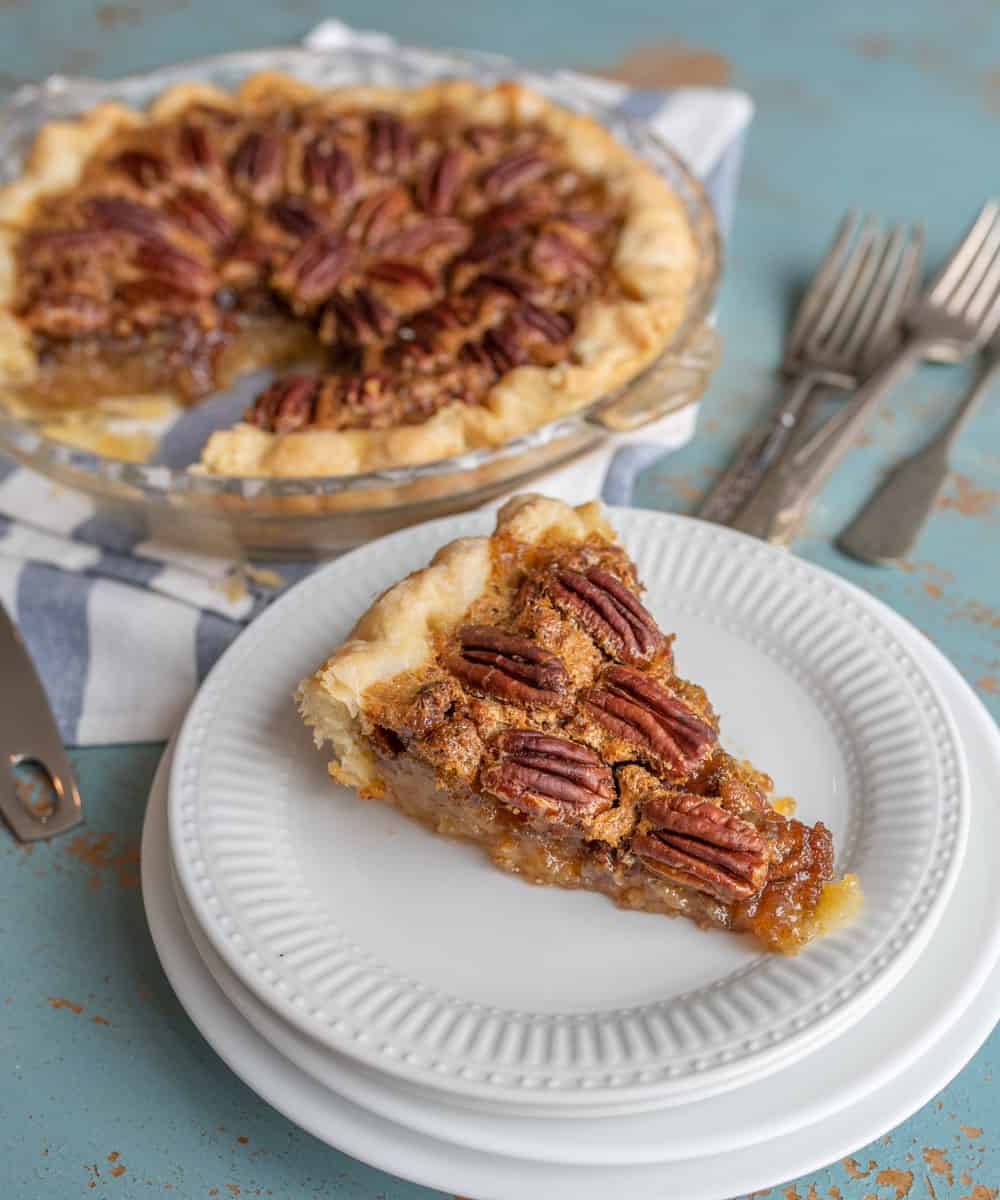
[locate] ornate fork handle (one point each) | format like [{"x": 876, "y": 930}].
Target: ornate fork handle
[
  {"x": 775, "y": 511},
  {"x": 758, "y": 451}
]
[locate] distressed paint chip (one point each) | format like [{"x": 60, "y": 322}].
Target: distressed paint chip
[
  {"x": 111, "y": 16},
  {"x": 62, "y": 1002},
  {"x": 102, "y": 853},
  {"x": 899, "y": 1181},
  {"x": 670, "y": 64},
  {"x": 935, "y": 1158},
  {"x": 873, "y": 47},
  {"x": 967, "y": 498}
]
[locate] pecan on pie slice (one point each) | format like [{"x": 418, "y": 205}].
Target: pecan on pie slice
[
  {"x": 454, "y": 263},
  {"x": 519, "y": 693}
]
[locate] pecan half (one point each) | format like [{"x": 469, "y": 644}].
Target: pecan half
[
  {"x": 312, "y": 272},
  {"x": 556, "y": 257},
  {"x": 125, "y": 216},
  {"x": 144, "y": 168},
  {"x": 196, "y": 211},
  {"x": 445, "y": 314},
  {"x": 504, "y": 348},
  {"x": 650, "y": 718},
  {"x": 508, "y": 666},
  {"x": 438, "y": 188},
  {"x": 148, "y": 300},
  {"x": 355, "y": 402},
  {"x": 493, "y": 243},
  {"x": 327, "y": 168},
  {"x": 294, "y": 216},
  {"x": 256, "y": 165},
  {"x": 436, "y": 231},
  {"x": 504, "y": 282},
  {"x": 285, "y": 406},
  {"x": 63, "y": 245},
  {"x": 162, "y": 261},
  {"x": 477, "y": 354},
  {"x": 376, "y": 214},
  {"x": 548, "y": 776},
  {"x": 553, "y": 326},
  {"x": 694, "y": 842},
  {"x": 517, "y": 213},
  {"x": 194, "y": 147},
  {"x": 358, "y": 321},
  {"x": 390, "y": 143},
  {"x": 608, "y": 611},
  {"x": 511, "y": 172},
  {"x": 248, "y": 259},
  {"x": 402, "y": 273}
]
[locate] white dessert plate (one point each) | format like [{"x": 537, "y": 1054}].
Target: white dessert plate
[
  {"x": 961, "y": 954},
  {"x": 414, "y": 955}
]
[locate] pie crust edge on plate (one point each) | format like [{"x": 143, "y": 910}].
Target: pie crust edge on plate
[
  {"x": 654, "y": 260},
  {"x": 542, "y": 738}
]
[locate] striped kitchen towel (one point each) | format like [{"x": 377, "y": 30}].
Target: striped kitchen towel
[{"x": 123, "y": 631}]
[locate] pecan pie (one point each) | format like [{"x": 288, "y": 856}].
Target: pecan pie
[
  {"x": 447, "y": 266},
  {"x": 517, "y": 692}
]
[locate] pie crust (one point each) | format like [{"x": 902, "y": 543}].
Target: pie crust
[
  {"x": 630, "y": 292},
  {"x": 517, "y": 693}
]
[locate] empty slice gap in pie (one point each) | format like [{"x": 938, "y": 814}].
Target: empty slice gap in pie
[
  {"x": 453, "y": 263},
  {"x": 517, "y": 692}
]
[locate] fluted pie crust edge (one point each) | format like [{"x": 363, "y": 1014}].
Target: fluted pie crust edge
[
  {"x": 655, "y": 262},
  {"x": 670, "y": 825}
]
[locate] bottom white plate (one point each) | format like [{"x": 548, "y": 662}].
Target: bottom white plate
[{"x": 406, "y": 1152}]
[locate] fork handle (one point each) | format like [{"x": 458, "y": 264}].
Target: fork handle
[
  {"x": 756, "y": 453},
  {"x": 776, "y": 510},
  {"x": 889, "y": 524}
]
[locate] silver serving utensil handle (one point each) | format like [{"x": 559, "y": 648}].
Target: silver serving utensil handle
[{"x": 28, "y": 734}]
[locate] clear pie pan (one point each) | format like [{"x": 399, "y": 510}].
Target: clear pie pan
[{"x": 318, "y": 516}]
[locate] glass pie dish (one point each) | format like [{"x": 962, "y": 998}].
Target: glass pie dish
[{"x": 295, "y": 518}]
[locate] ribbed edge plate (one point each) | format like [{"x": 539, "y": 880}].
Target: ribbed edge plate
[{"x": 413, "y": 954}]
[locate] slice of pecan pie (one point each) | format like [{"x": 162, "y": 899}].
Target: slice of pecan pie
[
  {"x": 518, "y": 693},
  {"x": 458, "y": 264}
]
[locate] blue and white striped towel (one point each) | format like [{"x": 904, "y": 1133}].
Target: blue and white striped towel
[{"x": 123, "y": 632}]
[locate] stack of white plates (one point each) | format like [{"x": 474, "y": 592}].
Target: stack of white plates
[{"x": 400, "y": 998}]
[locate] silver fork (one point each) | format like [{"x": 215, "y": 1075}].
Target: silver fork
[
  {"x": 960, "y": 310},
  {"x": 841, "y": 328}
]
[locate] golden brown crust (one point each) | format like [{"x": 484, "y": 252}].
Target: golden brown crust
[
  {"x": 398, "y": 633},
  {"x": 654, "y": 264}
]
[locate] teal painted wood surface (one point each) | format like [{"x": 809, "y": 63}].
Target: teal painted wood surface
[{"x": 106, "y": 1089}]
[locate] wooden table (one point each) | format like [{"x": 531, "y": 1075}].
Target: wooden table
[{"x": 106, "y": 1089}]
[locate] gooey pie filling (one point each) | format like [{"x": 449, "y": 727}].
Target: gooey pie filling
[
  {"x": 557, "y": 732},
  {"x": 419, "y": 259}
]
